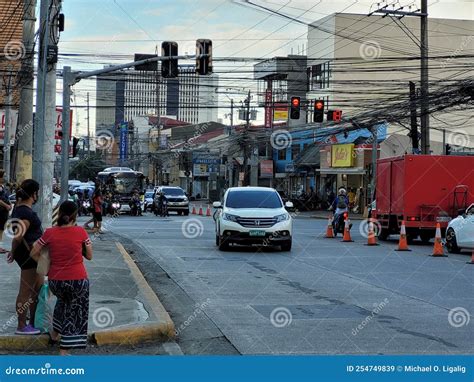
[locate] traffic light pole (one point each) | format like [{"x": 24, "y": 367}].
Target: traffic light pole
[{"x": 65, "y": 138}]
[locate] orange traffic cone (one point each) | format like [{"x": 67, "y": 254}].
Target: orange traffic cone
[
  {"x": 371, "y": 238},
  {"x": 438, "y": 245},
  {"x": 347, "y": 231},
  {"x": 208, "y": 211},
  {"x": 194, "y": 210},
  {"x": 472, "y": 258},
  {"x": 329, "y": 230},
  {"x": 200, "y": 211},
  {"x": 403, "y": 243}
]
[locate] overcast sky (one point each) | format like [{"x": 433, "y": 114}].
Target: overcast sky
[{"x": 111, "y": 27}]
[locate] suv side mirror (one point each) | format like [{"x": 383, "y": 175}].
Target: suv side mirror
[{"x": 217, "y": 205}]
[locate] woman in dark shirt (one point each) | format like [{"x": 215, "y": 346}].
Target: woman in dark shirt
[{"x": 26, "y": 228}]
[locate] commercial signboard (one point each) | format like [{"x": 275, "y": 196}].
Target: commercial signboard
[
  {"x": 205, "y": 163},
  {"x": 266, "y": 168},
  {"x": 13, "y": 123},
  {"x": 123, "y": 141},
  {"x": 280, "y": 111},
  {"x": 268, "y": 108},
  {"x": 341, "y": 155}
]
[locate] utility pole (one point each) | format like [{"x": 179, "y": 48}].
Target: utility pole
[
  {"x": 6, "y": 133},
  {"x": 23, "y": 169},
  {"x": 43, "y": 162},
  {"x": 231, "y": 116},
  {"x": 88, "y": 128},
  {"x": 424, "y": 115},
  {"x": 413, "y": 121},
  {"x": 374, "y": 162},
  {"x": 246, "y": 141}
]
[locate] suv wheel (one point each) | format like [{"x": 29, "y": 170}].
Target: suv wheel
[
  {"x": 223, "y": 244},
  {"x": 451, "y": 242},
  {"x": 286, "y": 246}
]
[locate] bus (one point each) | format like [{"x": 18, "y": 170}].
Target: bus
[{"x": 121, "y": 182}]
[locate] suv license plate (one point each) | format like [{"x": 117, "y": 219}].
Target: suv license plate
[{"x": 256, "y": 233}]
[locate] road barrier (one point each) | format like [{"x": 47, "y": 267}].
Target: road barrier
[
  {"x": 200, "y": 211},
  {"x": 194, "y": 211},
  {"x": 371, "y": 237},
  {"x": 438, "y": 250},
  {"x": 208, "y": 211},
  {"x": 330, "y": 230},
  {"x": 55, "y": 215},
  {"x": 347, "y": 231},
  {"x": 402, "y": 242}
]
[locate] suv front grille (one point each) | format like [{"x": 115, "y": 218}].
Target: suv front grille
[{"x": 256, "y": 222}]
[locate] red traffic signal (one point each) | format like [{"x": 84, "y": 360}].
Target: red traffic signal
[
  {"x": 334, "y": 115},
  {"x": 295, "y": 107},
  {"x": 318, "y": 113}
]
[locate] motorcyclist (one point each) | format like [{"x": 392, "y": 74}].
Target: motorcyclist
[
  {"x": 339, "y": 206},
  {"x": 135, "y": 202}
]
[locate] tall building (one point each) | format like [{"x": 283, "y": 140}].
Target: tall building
[{"x": 123, "y": 95}]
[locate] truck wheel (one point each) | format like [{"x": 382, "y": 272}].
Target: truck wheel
[
  {"x": 384, "y": 234},
  {"x": 451, "y": 242},
  {"x": 426, "y": 236}
]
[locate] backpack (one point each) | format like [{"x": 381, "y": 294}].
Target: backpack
[{"x": 341, "y": 202}]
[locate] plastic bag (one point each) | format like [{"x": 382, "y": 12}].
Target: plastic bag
[{"x": 44, "y": 310}]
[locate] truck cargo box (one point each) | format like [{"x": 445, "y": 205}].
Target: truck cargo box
[{"x": 422, "y": 190}]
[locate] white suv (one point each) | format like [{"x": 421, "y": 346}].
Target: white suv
[{"x": 253, "y": 215}]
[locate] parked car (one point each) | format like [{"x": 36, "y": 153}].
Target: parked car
[
  {"x": 177, "y": 200},
  {"x": 253, "y": 215},
  {"x": 460, "y": 232}
]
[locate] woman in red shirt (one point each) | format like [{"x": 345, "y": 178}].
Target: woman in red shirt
[{"x": 68, "y": 277}]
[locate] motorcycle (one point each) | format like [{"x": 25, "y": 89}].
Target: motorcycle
[
  {"x": 339, "y": 221},
  {"x": 86, "y": 207},
  {"x": 113, "y": 208},
  {"x": 161, "y": 209},
  {"x": 135, "y": 208}
]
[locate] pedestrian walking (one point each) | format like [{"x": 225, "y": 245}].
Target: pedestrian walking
[
  {"x": 5, "y": 207},
  {"x": 67, "y": 244},
  {"x": 26, "y": 227}
]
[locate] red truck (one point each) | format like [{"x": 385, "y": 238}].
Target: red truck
[{"x": 422, "y": 190}]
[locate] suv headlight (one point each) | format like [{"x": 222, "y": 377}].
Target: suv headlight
[
  {"x": 282, "y": 218},
  {"x": 229, "y": 217}
]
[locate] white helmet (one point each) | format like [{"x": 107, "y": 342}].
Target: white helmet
[{"x": 342, "y": 191}]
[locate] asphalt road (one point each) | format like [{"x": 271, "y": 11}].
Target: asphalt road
[{"x": 323, "y": 297}]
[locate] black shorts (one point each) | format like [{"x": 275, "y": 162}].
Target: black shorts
[
  {"x": 22, "y": 256},
  {"x": 98, "y": 216},
  {"x": 3, "y": 218}
]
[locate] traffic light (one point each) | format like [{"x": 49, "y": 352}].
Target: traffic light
[
  {"x": 203, "y": 56},
  {"x": 334, "y": 115},
  {"x": 169, "y": 67},
  {"x": 447, "y": 149},
  {"x": 75, "y": 149},
  {"x": 318, "y": 115},
  {"x": 295, "y": 107}
]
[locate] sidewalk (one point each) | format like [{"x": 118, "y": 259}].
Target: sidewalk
[{"x": 123, "y": 308}]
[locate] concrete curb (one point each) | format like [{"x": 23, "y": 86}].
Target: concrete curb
[{"x": 164, "y": 329}]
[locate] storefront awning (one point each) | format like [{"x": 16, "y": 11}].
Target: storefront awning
[{"x": 343, "y": 170}]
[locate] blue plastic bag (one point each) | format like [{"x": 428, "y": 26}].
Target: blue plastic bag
[{"x": 43, "y": 316}]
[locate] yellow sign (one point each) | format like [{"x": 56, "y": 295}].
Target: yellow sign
[
  {"x": 341, "y": 155},
  {"x": 280, "y": 115}
]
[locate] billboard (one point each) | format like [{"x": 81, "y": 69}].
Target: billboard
[
  {"x": 341, "y": 155},
  {"x": 205, "y": 164},
  {"x": 280, "y": 111},
  {"x": 123, "y": 141},
  {"x": 13, "y": 123},
  {"x": 268, "y": 108},
  {"x": 266, "y": 168}
]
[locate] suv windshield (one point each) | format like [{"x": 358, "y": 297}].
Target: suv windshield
[
  {"x": 173, "y": 191},
  {"x": 253, "y": 199}
]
